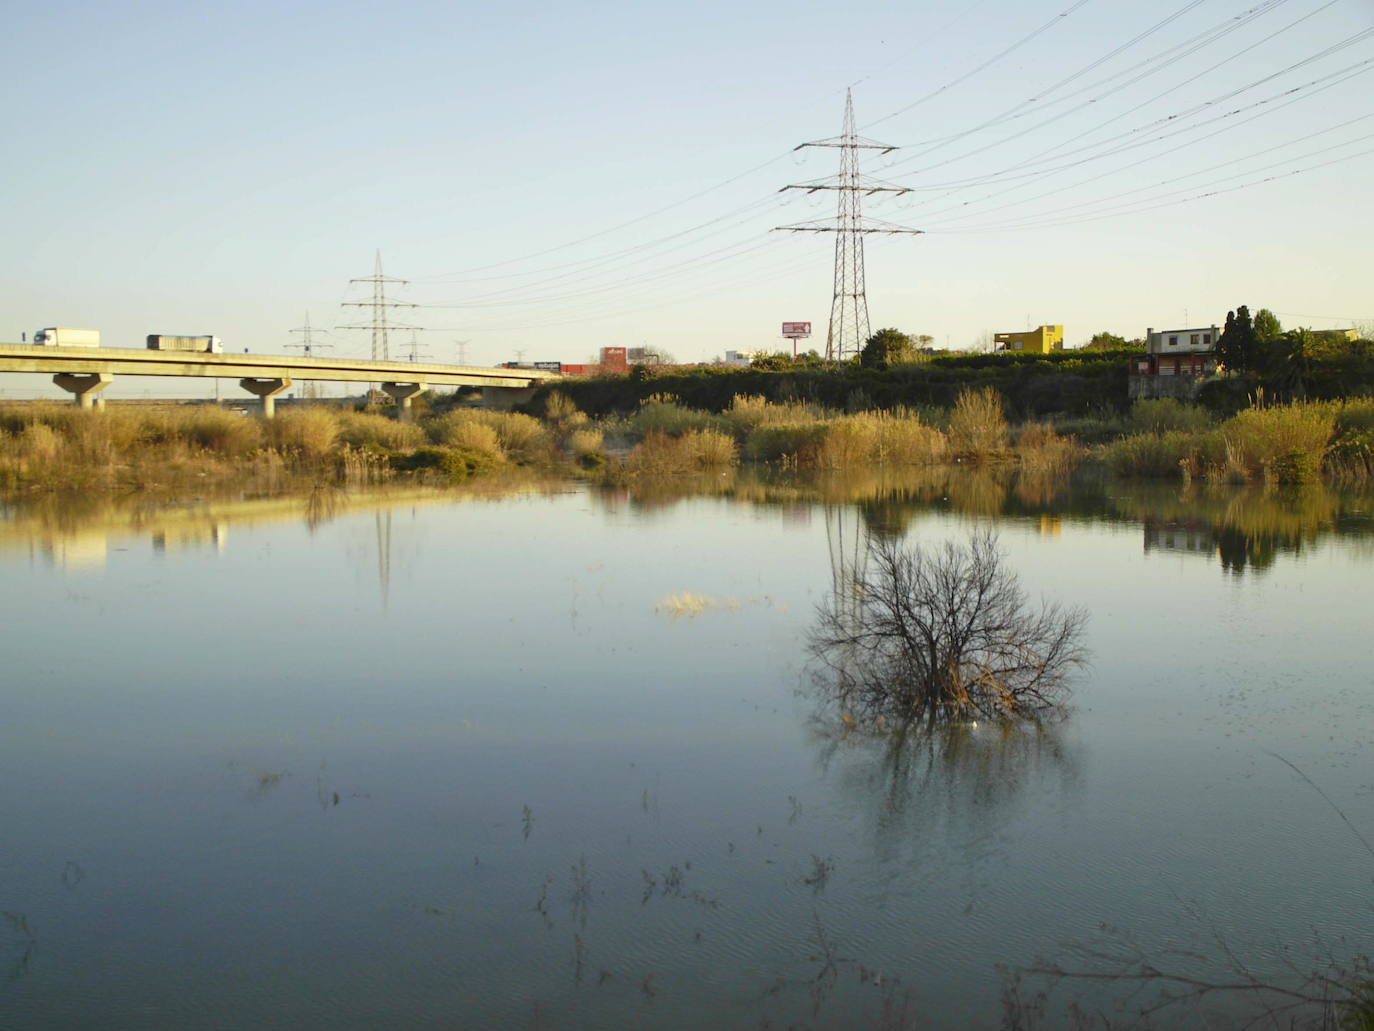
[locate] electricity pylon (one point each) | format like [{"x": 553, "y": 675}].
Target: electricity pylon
[
  {"x": 849, "y": 304},
  {"x": 308, "y": 346},
  {"x": 414, "y": 347},
  {"x": 380, "y": 326}
]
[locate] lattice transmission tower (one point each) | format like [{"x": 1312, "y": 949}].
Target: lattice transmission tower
[
  {"x": 308, "y": 346},
  {"x": 380, "y": 304},
  {"x": 849, "y": 304}
]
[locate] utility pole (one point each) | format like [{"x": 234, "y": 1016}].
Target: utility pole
[
  {"x": 849, "y": 329},
  {"x": 308, "y": 347},
  {"x": 380, "y": 326}
]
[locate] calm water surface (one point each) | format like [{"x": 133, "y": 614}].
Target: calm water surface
[{"x": 549, "y": 760}]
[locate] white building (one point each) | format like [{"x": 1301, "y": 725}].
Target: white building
[{"x": 1182, "y": 341}]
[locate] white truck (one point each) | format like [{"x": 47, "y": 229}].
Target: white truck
[
  {"x": 202, "y": 344},
  {"x": 55, "y": 336}
]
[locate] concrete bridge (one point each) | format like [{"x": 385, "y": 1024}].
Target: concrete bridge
[{"x": 86, "y": 371}]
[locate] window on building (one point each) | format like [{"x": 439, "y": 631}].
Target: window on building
[
  {"x": 1016, "y": 346},
  {"x": 1173, "y": 341},
  {"x": 1194, "y": 339},
  {"x": 1206, "y": 338}
]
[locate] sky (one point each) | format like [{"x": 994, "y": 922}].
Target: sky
[{"x": 555, "y": 178}]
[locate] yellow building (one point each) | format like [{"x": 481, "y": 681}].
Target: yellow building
[{"x": 1034, "y": 341}]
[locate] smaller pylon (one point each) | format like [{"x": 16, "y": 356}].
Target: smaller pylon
[{"x": 308, "y": 346}]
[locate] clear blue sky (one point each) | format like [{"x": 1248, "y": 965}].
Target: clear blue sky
[{"x": 196, "y": 168}]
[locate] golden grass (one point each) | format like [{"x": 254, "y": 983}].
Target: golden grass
[
  {"x": 366, "y": 429},
  {"x": 311, "y": 432},
  {"x": 686, "y": 605},
  {"x": 1281, "y": 444},
  {"x": 693, "y": 451},
  {"x": 522, "y": 438},
  {"x": 155, "y": 447},
  {"x": 978, "y": 426},
  {"x": 586, "y": 443},
  {"x": 1044, "y": 452}
]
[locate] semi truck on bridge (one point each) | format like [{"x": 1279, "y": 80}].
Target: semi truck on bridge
[
  {"x": 201, "y": 344},
  {"x": 55, "y": 336}
]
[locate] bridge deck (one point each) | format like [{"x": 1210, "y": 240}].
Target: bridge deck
[{"x": 131, "y": 362}]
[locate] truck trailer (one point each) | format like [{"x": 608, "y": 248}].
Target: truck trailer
[
  {"x": 55, "y": 336},
  {"x": 202, "y": 344}
]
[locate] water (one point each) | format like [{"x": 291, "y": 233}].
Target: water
[{"x": 481, "y": 761}]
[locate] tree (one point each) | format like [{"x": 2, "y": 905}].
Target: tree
[
  {"x": 944, "y": 635},
  {"x": 1267, "y": 326},
  {"x": 1238, "y": 346},
  {"x": 1105, "y": 341},
  {"x": 886, "y": 347}
]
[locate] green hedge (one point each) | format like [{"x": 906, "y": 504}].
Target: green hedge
[{"x": 1068, "y": 382}]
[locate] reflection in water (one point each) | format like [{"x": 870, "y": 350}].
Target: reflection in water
[
  {"x": 383, "y": 523},
  {"x": 1247, "y": 528},
  {"x": 964, "y": 774}
]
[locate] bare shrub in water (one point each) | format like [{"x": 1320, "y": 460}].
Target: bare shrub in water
[{"x": 945, "y": 634}]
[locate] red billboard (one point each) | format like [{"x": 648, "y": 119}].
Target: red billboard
[{"x": 796, "y": 330}]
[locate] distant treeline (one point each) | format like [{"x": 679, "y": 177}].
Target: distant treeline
[
  {"x": 1033, "y": 386},
  {"x": 1070, "y": 382}
]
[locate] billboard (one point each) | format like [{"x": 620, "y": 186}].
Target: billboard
[{"x": 796, "y": 330}]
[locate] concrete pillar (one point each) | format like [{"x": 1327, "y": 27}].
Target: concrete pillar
[
  {"x": 85, "y": 385},
  {"x": 503, "y": 399},
  {"x": 267, "y": 389},
  {"x": 402, "y": 394}
]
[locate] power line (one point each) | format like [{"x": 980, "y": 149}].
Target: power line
[
  {"x": 1148, "y": 203},
  {"x": 1056, "y": 150},
  {"x": 1260, "y": 153},
  {"x": 986, "y": 64},
  {"x": 1154, "y": 64}
]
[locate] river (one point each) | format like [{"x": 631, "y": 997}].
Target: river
[{"x": 550, "y": 758}]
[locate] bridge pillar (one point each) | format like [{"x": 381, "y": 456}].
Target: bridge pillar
[
  {"x": 85, "y": 385},
  {"x": 503, "y": 399},
  {"x": 267, "y": 389},
  {"x": 403, "y": 394}
]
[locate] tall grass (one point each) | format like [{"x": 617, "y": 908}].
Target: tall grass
[
  {"x": 747, "y": 413},
  {"x": 365, "y": 429},
  {"x": 1282, "y": 444},
  {"x": 978, "y": 426},
  {"x": 520, "y": 437},
  {"x": 1166, "y": 414},
  {"x": 692, "y": 451},
  {"x": 1044, "y": 452},
  {"x": 311, "y": 432},
  {"x": 664, "y": 415},
  {"x": 1152, "y": 455},
  {"x": 587, "y": 446},
  {"x": 60, "y": 447},
  {"x": 1275, "y": 444}
]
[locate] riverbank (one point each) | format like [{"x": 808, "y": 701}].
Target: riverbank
[{"x": 172, "y": 448}]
